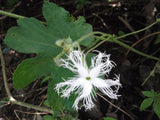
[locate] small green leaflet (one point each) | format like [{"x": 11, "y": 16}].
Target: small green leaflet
[
  {"x": 156, "y": 105},
  {"x": 153, "y": 97},
  {"x": 146, "y": 103},
  {"x": 120, "y": 33},
  {"x": 108, "y": 118},
  {"x": 48, "y": 117},
  {"x": 157, "y": 41},
  {"x": 148, "y": 93}
]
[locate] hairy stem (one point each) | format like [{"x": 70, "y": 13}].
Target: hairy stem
[{"x": 11, "y": 99}]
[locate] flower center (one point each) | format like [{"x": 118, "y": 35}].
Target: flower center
[{"x": 88, "y": 78}]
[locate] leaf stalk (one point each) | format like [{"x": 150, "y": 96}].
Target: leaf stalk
[{"x": 10, "y": 14}]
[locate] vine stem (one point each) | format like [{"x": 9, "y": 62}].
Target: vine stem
[
  {"x": 115, "y": 40},
  {"x": 134, "y": 50},
  {"x": 10, "y": 14},
  {"x": 151, "y": 73},
  {"x": 97, "y": 45},
  {"x": 90, "y": 34},
  {"x": 15, "y": 15},
  {"x": 116, "y": 106},
  {"x": 11, "y": 98},
  {"x": 140, "y": 40},
  {"x": 112, "y": 39},
  {"x": 158, "y": 20},
  {"x": 4, "y": 76}
]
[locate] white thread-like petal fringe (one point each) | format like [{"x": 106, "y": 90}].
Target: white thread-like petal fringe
[{"x": 87, "y": 79}]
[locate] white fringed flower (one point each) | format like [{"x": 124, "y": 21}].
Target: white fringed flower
[{"x": 87, "y": 79}]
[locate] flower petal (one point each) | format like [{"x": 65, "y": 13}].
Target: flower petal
[
  {"x": 76, "y": 63},
  {"x": 75, "y": 84},
  {"x": 105, "y": 86},
  {"x": 86, "y": 96},
  {"x": 100, "y": 65}
]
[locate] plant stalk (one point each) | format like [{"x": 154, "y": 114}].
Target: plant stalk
[
  {"x": 112, "y": 39},
  {"x": 151, "y": 74},
  {"x": 138, "y": 30},
  {"x": 11, "y": 14},
  {"x": 134, "y": 50},
  {"x": 15, "y": 15},
  {"x": 11, "y": 99}
]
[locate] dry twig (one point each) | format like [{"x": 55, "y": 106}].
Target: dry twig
[
  {"x": 116, "y": 106},
  {"x": 128, "y": 25}
]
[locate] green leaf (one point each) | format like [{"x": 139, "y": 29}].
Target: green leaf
[
  {"x": 109, "y": 118},
  {"x": 46, "y": 103},
  {"x": 157, "y": 39},
  {"x": 31, "y": 36},
  {"x": 63, "y": 25},
  {"x": 156, "y": 105},
  {"x": 48, "y": 117},
  {"x": 55, "y": 114},
  {"x": 155, "y": 98},
  {"x": 148, "y": 93},
  {"x": 10, "y": 3},
  {"x": 46, "y": 78},
  {"x": 120, "y": 33},
  {"x": 88, "y": 58},
  {"x": 146, "y": 103},
  {"x": 31, "y": 69},
  {"x": 56, "y": 102},
  {"x": 81, "y": 3}
]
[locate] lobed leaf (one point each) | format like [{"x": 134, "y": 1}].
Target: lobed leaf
[
  {"x": 62, "y": 25},
  {"x": 31, "y": 36}
]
